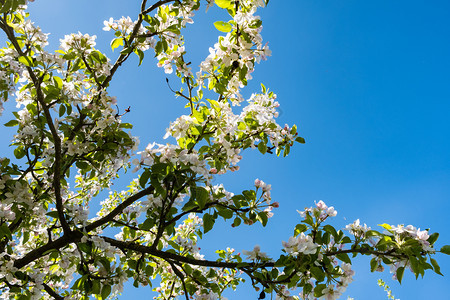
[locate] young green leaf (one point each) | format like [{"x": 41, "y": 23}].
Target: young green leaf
[
  {"x": 399, "y": 274},
  {"x": 11, "y": 123},
  {"x": 27, "y": 61},
  {"x": 436, "y": 267},
  {"x": 224, "y": 4},
  {"x": 262, "y": 147},
  {"x": 116, "y": 43},
  {"x": 208, "y": 222},
  {"x": 201, "y": 196},
  {"x": 445, "y": 249},
  {"x": 223, "y": 26}
]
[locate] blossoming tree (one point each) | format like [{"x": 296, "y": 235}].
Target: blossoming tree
[{"x": 69, "y": 132}]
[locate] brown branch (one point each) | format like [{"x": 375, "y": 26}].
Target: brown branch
[
  {"x": 368, "y": 251},
  {"x": 172, "y": 256},
  {"x": 56, "y": 139},
  {"x": 116, "y": 211},
  {"x": 75, "y": 236},
  {"x": 147, "y": 35},
  {"x": 52, "y": 293},
  {"x": 155, "y": 6},
  {"x": 88, "y": 67},
  {"x": 131, "y": 226},
  {"x": 181, "y": 276},
  {"x": 72, "y": 237}
]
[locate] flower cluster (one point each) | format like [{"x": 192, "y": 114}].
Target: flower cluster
[
  {"x": 321, "y": 211},
  {"x": 357, "y": 229},
  {"x": 235, "y": 53},
  {"x": 78, "y": 42},
  {"x": 256, "y": 254},
  {"x": 302, "y": 244},
  {"x": 171, "y": 40},
  {"x": 171, "y": 154},
  {"x": 421, "y": 236}
]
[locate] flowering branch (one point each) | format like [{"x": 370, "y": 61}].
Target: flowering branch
[{"x": 69, "y": 130}]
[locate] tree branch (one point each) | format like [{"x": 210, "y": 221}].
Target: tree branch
[
  {"x": 52, "y": 293},
  {"x": 368, "y": 251},
  {"x": 172, "y": 256},
  {"x": 109, "y": 217},
  {"x": 56, "y": 139}
]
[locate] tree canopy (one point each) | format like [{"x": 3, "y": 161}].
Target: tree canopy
[{"x": 71, "y": 143}]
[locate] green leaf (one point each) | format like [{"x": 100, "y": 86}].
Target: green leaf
[
  {"x": 106, "y": 290},
  {"x": 140, "y": 54},
  {"x": 436, "y": 267},
  {"x": 148, "y": 223},
  {"x": 82, "y": 165},
  {"x": 331, "y": 230},
  {"x": 4, "y": 231},
  {"x": 189, "y": 205},
  {"x": 225, "y": 213},
  {"x": 263, "y": 218},
  {"x": 116, "y": 43},
  {"x": 346, "y": 240},
  {"x": 95, "y": 287},
  {"x": 256, "y": 24},
  {"x": 263, "y": 88},
  {"x": 299, "y": 228},
  {"x": 300, "y": 140},
  {"x": 399, "y": 274},
  {"x": 159, "y": 47},
  {"x": 318, "y": 289},
  {"x": 224, "y": 4},
  {"x": 385, "y": 240},
  {"x": 85, "y": 247},
  {"x": 79, "y": 283},
  {"x": 136, "y": 283},
  {"x": 262, "y": 147},
  {"x": 201, "y": 195},
  {"x": 208, "y": 223},
  {"x": 173, "y": 28},
  {"x": 385, "y": 226},
  {"x": 236, "y": 222},
  {"x": 11, "y": 123},
  {"x": 15, "y": 4},
  {"x": 373, "y": 264},
  {"x": 58, "y": 82},
  {"x": 433, "y": 238},
  {"x": 62, "y": 110},
  {"x": 126, "y": 50},
  {"x": 223, "y": 26},
  {"x": 144, "y": 178},
  {"x": 249, "y": 195},
  {"x": 27, "y": 61},
  {"x": 19, "y": 152},
  {"x": 126, "y": 125},
  {"x": 445, "y": 249},
  {"x": 308, "y": 220},
  {"x": 317, "y": 273},
  {"x": 414, "y": 265},
  {"x": 344, "y": 257},
  {"x": 52, "y": 214},
  {"x": 6, "y": 6}
]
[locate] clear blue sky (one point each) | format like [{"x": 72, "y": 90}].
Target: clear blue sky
[{"x": 367, "y": 83}]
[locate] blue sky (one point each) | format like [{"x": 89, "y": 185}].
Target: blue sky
[{"x": 366, "y": 82}]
